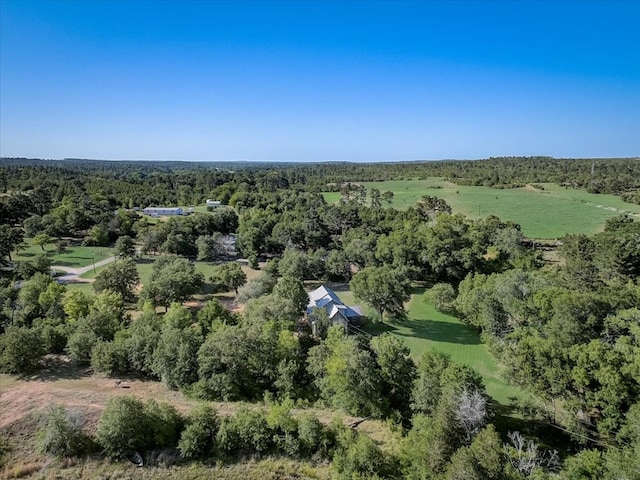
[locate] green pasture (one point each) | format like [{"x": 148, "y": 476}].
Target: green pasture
[
  {"x": 86, "y": 288},
  {"x": 427, "y": 329},
  {"x": 74, "y": 256},
  {"x": 549, "y": 213}
]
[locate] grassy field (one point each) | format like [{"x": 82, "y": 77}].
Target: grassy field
[
  {"x": 549, "y": 213},
  {"x": 74, "y": 256},
  {"x": 145, "y": 267},
  {"x": 427, "y": 329}
]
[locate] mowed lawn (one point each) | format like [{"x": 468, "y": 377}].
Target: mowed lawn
[
  {"x": 427, "y": 329},
  {"x": 144, "y": 266},
  {"x": 549, "y": 213},
  {"x": 73, "y": 256}
]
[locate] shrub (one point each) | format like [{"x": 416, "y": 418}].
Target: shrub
[
  {"x": 124, "y": 427},
  {"x": 314, "y": 438},
  {"x": 128, "y": 426},
  {"x": 166, "y": 424},
  {"x": 284, "y": 428},
  {"x": 245, "y": 432},
  {"x": 80, "y": 344},
  {"x": 20, "y": 350},
  {"x": 62, "y": 434},
  {"x": 197, "y": 439},
  {"x": 442, "y": 296},
  {"x": 54, "y": 334},
  {"x": 357, "y": 457},
  {"x": 111, "y": 358}
]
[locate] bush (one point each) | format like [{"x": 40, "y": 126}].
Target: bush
[
  {"x": 80, "y": 344},
  {"x": 284, "y": 428},
  {"x": 314, "y": 438},
  {"x": 128, "y": 426},
  {"x": 245, "y": 432},
  {"x": 123, "y": 427},
  {"x": 62, "y": 434},
  {"x": 357, "y": 457},
  {"x": 20, "y": 350},
  {"x": 111, "y": 358},
  {"x": 442, "y": 296},
  {"x": 197, "y": 440},
  {"x": 54, "y": 334},
  {"x": 166, "y": 424}
]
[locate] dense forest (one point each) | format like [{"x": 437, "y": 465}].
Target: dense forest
[{"x": 567, "y": 332}]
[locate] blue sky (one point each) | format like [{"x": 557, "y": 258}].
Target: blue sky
[{"x": 312, "y": 81}]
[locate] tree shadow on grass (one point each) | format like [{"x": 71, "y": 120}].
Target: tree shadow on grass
[
  {"x": 436, "y": 331},
  {"x": 377, "y": 328},
  {"x": 433, "y": 330},
  {"x": 145, "y": 259},
  {"x": 57, "y": 367},
  {"x": 62, "y": 263}
]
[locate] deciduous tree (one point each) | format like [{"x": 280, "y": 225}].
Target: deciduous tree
[{"x": 384, "y": 289}]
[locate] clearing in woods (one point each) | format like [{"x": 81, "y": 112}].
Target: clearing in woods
[
  {"x": 549, "y": 213},
  {"x": 428, "y": 329}
]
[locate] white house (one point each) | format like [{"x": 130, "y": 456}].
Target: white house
[
  {"x": 213, "y": 203},
  {"x": 161, "y": 211},
  {"x": 337, "y": 311}
]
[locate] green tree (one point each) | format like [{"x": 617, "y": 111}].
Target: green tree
[
  {"x": 10, "y": 238},
  {"x": 98, "y": 235},
  {"x": 384, "y": 288},
  {"x": 124, "y": 247},
  {"x": 214, "y": 315},
  {"x": 257, "y": 287},
  {"x": 292, "y": 289},
  {"x": 210, "y": 247},
  {"x": 39, "y": 264},
  {"x": 127, "y": 426},
  {"x": 76, "y": 304},
  {"x": 427, "y": 388},
  {"x": 174, "y": 279},
  {"x": 62, "y": 435},
  {"x": 339, "y": 265},
  {"x": 357, "y": 456},
  {"x": 41, "y": 240},
  {"x": 229, "y": 275},
  {"x": 112, "y": 358},
  {"x": 50, "y": 300},
  {"x": 346, "y": 375},
  {"x": 397, "y": 371},
  {"x": 175, "y": 357},
  {"x": 428, "y": 446},
  {"x": 293, "y": 264},
  {"x": 442, "y": 296},
  {"x": 29, "y": 295},
  {"x": 198, "y": 438},
  {"x": 120, "y": 277},
  {"x": 20, "y": 350},
  {"x": 144, "y": 335},
  {"x": 236, "y": 363}
]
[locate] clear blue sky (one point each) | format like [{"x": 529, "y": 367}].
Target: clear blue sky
[{"x": 311, "y": 81}]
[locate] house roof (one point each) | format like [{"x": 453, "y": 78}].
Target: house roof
[{"x": 323, "y": 297}]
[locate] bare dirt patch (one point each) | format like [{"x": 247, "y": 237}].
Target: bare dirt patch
[{"x": 62, "y": 382}]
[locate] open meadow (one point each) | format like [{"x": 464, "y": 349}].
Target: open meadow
[
  {"x": 549, "y": 213},
  {"x": 74, "y": 256}
]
